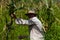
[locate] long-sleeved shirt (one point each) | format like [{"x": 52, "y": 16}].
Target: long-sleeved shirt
[{"x": 35, "y": 27}]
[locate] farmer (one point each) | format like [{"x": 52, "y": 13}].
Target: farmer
[{"x": 35, "y": 25}]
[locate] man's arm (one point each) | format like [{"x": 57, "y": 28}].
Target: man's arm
[{"x": 22, "y": 21}]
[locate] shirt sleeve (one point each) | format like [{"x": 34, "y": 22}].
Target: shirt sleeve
[{"x": 22, "y": 21}]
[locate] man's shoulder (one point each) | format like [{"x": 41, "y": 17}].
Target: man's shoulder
[{"x": 35, "y": 19}]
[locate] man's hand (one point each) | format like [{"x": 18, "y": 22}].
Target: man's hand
[{"x": 13, "y": 16}]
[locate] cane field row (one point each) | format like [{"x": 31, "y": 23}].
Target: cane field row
[{"x": 48, "y": 12}]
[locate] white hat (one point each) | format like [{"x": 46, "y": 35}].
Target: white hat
[{"x": 31, "y": 12}]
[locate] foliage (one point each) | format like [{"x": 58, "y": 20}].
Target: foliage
[{"x": 47, "y": 12}]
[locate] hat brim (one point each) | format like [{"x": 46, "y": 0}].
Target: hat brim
[{"x": 30, "y": 14}]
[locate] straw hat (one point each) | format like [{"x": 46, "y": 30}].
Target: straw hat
[{"x": 31, "y": 12}]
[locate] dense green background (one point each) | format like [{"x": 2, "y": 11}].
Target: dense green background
[{"x": 49, "y": 17}]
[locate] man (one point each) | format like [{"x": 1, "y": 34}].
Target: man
[{"x": 35, "y": 25}]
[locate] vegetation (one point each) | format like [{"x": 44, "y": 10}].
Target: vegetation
[{"x": 48, "y": 12}]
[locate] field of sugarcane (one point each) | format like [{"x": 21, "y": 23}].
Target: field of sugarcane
[{"x": 48, "y": 12}]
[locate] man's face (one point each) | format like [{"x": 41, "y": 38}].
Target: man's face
[{"x": 30, "y": 16}]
